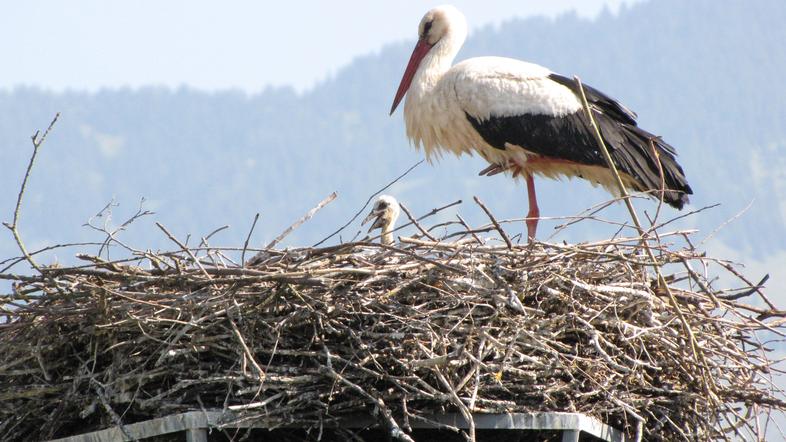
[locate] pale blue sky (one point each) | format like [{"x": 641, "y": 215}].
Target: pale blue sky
[{"x": 89, "y": 44}]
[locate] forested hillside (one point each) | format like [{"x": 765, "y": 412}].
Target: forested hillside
[{"x": 703, "y": 74}]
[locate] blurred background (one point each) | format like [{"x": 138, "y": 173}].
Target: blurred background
[{"x": 213, "y": 112}]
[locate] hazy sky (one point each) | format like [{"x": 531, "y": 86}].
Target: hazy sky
[{"x": 89, "y": 44}]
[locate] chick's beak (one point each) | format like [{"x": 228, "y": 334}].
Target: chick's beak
[{"x": 375, "y": 215}]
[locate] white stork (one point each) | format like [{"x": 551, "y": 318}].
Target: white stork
[
  {"x": 524, "y": 119},
  {"x": 384, "y": 213}
]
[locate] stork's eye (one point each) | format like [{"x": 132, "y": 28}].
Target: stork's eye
[
  {"x": 382, "y": 205},
  {"x": 426, "y": 28}
]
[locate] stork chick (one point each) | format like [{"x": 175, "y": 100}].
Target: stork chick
[{"x": 384, "y": 213}]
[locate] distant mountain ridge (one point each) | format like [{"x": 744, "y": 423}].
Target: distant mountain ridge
[{"x": 702, "y": 75}]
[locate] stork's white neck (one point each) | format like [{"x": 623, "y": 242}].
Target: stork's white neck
[{"x": 427, "y": 100}]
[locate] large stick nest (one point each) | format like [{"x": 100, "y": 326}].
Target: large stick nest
[{"x": 312, "y": 334}]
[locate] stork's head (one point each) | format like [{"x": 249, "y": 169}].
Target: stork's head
[
  {"x": 384, "y": 213},
  {"x": 442, "y": 26}
]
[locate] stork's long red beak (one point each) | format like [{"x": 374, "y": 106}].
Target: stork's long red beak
[{"x": 421, "y": 49}]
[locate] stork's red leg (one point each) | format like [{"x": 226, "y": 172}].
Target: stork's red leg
[{"x": 534, "y": 212}]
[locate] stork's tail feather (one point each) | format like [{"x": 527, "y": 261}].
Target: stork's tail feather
[{"x": 648, "y": 159}]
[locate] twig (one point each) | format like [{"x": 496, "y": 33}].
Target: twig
[
  {"x": 101, "y": 393},
  {"x": 247, "y": 351},
  {"x": 748, "y": 292},
  {"x": 469, "y": 230},
  {"x": 494, "y": 222},
  {"x": 110, "y": 235},
  {"x": 305, "y": 218},
  {"x": 16, "y": 260},
  {"x": 609, "y": 161},
  {"x": 185, "y": 249},
  {"x": 219, "y": 229},
  {"x": 757, "y": 287},
  {"x": 395, "y": 430},
  {"x": 248, "y": 238},
  {"x": 662, "y": 187},
  {"x": 727, "y": 222},
  {"x": 14, "y": 225},
  {"x": 463, "y": 409},
  {"x": 414, "y": 221}
]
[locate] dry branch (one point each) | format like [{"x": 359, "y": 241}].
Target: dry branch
[{"x": 38, "y": 140}]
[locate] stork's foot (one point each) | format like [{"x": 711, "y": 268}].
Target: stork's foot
[{"x": 494, "y": 169}]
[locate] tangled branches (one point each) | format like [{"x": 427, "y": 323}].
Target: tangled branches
[{"x": 463, "y": 324}]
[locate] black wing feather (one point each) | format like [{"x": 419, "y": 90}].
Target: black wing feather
[
  {"x": 598, "y": 99},
  {"x": 570, "y": 137}
]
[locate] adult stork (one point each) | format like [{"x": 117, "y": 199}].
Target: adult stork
[{"x": 524, "y": 119}]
